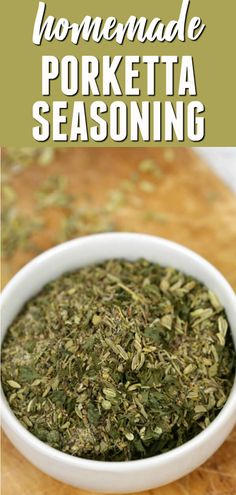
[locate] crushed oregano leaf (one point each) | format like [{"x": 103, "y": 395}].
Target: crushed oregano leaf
[{"x": 119, "y": 361}]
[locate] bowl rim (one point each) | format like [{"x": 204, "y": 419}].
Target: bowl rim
[{"x": 117, "y": 466}]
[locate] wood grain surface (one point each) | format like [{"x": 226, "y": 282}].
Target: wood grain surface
[{"x": 188, "y": 204}]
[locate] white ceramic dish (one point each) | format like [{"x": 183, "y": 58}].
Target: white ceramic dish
[{"x": 127, "y": 476}]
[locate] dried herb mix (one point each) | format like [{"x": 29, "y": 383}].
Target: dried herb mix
[{"x": 119, "y": 361}]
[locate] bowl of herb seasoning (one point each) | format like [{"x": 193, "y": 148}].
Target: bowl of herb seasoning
[{"x": 118, "y": 361}]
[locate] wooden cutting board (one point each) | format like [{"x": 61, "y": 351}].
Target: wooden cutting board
[{"x": 184, "y": 202}]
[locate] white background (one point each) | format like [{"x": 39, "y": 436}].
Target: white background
[{"x": 222, "y": 161}]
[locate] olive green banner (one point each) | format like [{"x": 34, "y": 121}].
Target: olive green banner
[{"x": 154, "y": 73}]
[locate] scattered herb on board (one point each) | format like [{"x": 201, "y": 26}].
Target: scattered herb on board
[
  {"x": 19, "y": 158},
  {"x": 53, "y": 193},
  {"x": 75, "y": 216},
  {"x": 17, "y": 227},
  {"x": 155, "y": 216},
  {"x": 150, "y": 166},
  {"x": 119, "y": 361},
  {"x": 85, "y": 220}
]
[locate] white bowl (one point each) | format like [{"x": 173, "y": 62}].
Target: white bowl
[{"x": 126, "y": 476}]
